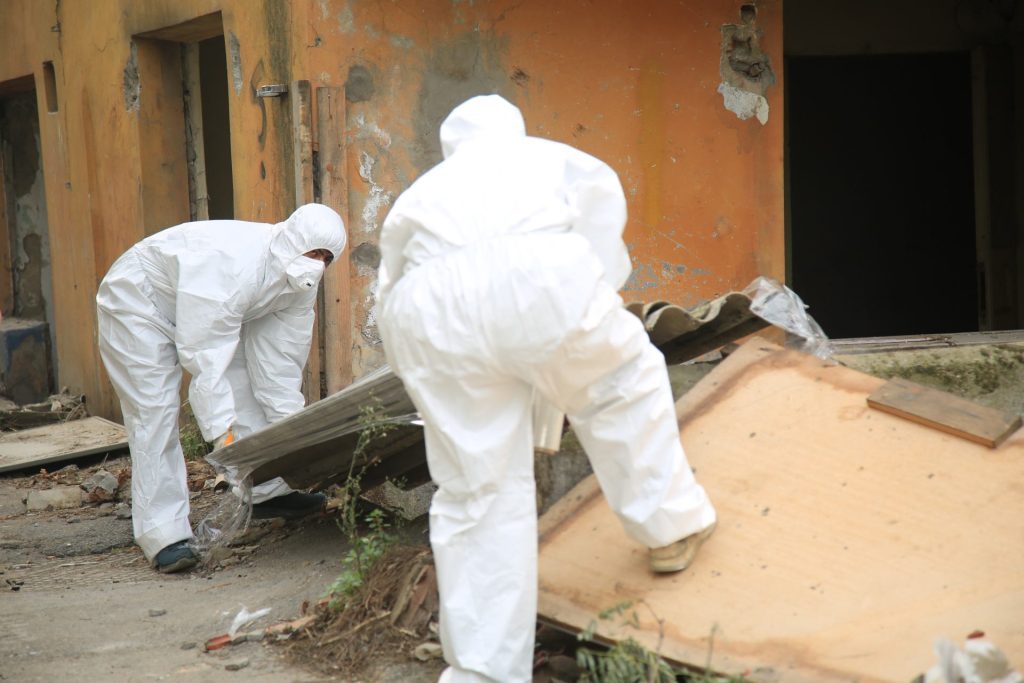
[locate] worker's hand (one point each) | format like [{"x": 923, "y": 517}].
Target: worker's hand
[{"x": 225, "y": 439}]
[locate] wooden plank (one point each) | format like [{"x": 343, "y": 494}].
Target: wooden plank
[
  {"x": 330, "y": 133},
  {"x": 848, "y": 539},
  {"x": 200, "y": 195},
  {"x": 299, "y": 95},
  {"x": 64, "y": 441},
  {"x": 944, "y": 411}
]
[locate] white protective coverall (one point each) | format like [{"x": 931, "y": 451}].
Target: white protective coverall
[
  {"x": 499, "y": 278},
  {"x": 232, "y": 303}
]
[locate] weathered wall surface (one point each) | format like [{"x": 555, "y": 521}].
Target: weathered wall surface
[{"x": 657, "y": 89}]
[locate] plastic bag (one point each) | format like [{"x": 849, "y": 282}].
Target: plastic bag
[{"x": 779, "y": 305}]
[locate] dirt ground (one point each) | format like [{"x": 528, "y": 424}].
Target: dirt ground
[{"x": 79, "y": 602}]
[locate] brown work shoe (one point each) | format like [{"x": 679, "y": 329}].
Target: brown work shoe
[{"x": 677, "y": 556}]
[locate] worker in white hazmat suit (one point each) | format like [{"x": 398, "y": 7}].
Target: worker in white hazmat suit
[
  {"x": 499, "y": 278},
  {"x": 232, "y": 302}
]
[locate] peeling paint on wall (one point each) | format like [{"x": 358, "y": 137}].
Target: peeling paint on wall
[
  {"x": 743, "y": 103},
  {"x": 235, "y": 51},
  {"x": 377, "y": 197},
  {"x": 131, "y": 85},
  {"x": 346, "y": 20}
]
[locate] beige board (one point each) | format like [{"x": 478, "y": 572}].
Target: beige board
[
  {"x": 44, "y": 445},
  {"x": 848, "y": 540}
]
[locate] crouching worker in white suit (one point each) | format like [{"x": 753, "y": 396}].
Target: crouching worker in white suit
[
  {"x": 499, "y": 278},
  {"x": 231, "y": 302}
]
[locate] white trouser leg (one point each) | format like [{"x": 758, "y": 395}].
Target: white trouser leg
[
  {"x": 483, "y": 522},
  {"x": 614, "y": 387},
  {"x": 143, "y": 367},
  {"x": 249, "y": 418}
]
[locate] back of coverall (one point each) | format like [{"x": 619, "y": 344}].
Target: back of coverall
[
  {"x": 232, "y": 303},
  {"x": 499, "y": 278}
]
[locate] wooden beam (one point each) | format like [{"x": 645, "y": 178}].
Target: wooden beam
[
  {"x": 196, "y": 154},
  {"x": 945, "y": 412},
  {"x": 194, "y": 30},
  {"x": 6, "y": 263},
  {"x": 302, "y": 159},
  {"x": 330, "y": 136}
]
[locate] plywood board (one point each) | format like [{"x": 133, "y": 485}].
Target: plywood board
[
  {"x": 848, "y": 539},
  {"x": 944, "y": 411},
  {"x": 43, "y": 445}
]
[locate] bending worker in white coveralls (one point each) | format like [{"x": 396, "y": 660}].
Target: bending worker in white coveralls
[
  {"x": 232, "y": 303},
  {"x": 499, "y": 279}
]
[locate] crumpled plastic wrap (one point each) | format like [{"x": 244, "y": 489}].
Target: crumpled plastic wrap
[{"x": 779, "y": 305}]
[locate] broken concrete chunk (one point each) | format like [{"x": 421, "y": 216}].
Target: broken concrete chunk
[
  {"x": 237, "y": 666},
  {"x": 100, "y": 487},
  {"x": 123, "y": 511},
  {"x": 57, "y": 498},
  {"x": 157, "y": 612}
]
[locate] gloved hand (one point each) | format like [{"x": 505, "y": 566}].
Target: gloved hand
[{"x": 225, "y": 439}]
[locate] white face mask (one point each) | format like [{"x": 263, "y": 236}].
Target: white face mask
[{"x": 304, "y": 272}]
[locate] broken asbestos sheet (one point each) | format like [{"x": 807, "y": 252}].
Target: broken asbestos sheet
[
  {"x": 849, "y": 540},
  {"x": 315, "y": 446}
]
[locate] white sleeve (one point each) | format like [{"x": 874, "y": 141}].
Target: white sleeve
[
  {"x": 276, "y": 349},
  {"x": 395, "y": 234},
  {"x": 598, "y": 205},
  {"x": 207, "y": 330}
]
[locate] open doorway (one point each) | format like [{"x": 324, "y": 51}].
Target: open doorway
[
  {"x": 905, "y": 164},
  {"x": 26, "y": 285},
  {"x": 185, "y": 133},
  {"x": 881, "y": 193},
  {"x": 206, "y": 111}
]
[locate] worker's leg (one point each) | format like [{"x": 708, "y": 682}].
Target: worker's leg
[
  {"x": 614, "y": 388},
  {"x": 483, "y": 522},
  {"x": 249, "y": 418},
  {"x": 143, "y": 366}
]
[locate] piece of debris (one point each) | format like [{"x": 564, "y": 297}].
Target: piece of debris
[
  {"x": 244, "y": 618},
  {"x": 157, "y": 612},
  {"x": 279, "y": 631},
  {"x": 980, "y": 661},
  {"x": 237, "y": 666},
  {"x": 57, "y": 498},
  {"x": 427, "y": 651},
  {"x": 31, "y": 448},
  {"x": 189, "y": 646},
  {"x": 123, "y": 511},
  {"x": 101, "y": 487},
  {"x": 944, "y": 411},
  {"x": 15, "y": 584}
]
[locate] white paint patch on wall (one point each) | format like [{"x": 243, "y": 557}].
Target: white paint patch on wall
[
  {"x": 376, "y": 199},
  {"x": 743, "y": 103}
]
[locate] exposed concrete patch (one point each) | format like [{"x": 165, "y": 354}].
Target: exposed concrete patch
[
  {"x": 359, "y": 86},
  {"x": 131, "y": 87},
  {"x": 367, "y": 254},
  {"x": 468, "y": 64},
  {"x": 743, "y": 103},
  {"x": 235, "y": 50},
  {"x": 745, "y": 69},
  {"x": 346, "y": 20}
]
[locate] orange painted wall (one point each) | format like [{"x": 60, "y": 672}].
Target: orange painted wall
[{"x": 633, "y": 82}]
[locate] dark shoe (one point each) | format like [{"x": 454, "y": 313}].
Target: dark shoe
[
  {"x": 295, "y": 505},
  {"x": 175, "y": 558},
  {"x": 679, "y": 555}
]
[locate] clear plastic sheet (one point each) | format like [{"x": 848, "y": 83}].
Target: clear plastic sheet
[
  {"x": 779, "y": 305},
  {"x": 231, "y": 514}
]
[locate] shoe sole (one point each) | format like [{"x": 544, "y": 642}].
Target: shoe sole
[{"x": 182, "y": 564}]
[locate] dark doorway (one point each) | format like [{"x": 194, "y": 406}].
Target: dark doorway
[
  {"x": 882, "y": 224},
  {"x": 213, "y": 86}
]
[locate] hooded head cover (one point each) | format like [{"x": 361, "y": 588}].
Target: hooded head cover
[
  {"x": 311, "y": 226},
  {"x": 479, "y": 117}
]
